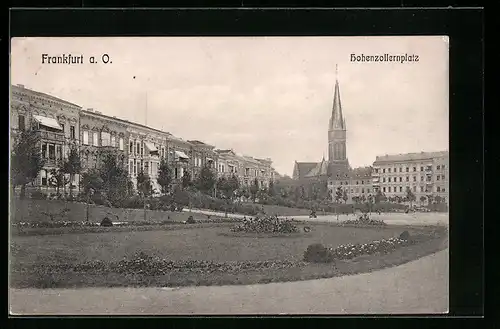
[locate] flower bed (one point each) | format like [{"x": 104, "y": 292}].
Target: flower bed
[
  {"x": 142, "y": 264},
  {"x": 350, "y": 251},
  {"x": 364, "y": 220},
  {"x": 266, "y": 224}
]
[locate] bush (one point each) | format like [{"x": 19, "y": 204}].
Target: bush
[
  {"x": 106, "y": 222},
  {"x": 38, "y": 195},
  {"x": 99, "y": 199},
  {"x": 405, "y": 236},
  {"x": 190, "y": 220},
  {"x": 317, "y": 253}
]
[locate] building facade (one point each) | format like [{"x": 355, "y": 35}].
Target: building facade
[
  {"x": 424, "y": 173},
  {"x": 56, "y": 120},
  {"x": 63, "y": 125}
]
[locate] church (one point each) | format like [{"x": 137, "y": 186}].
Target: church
[{"x": 336, "y": 171}]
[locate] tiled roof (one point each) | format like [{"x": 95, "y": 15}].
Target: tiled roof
[
  {"x": 410, "y": 156},
  {"x": 321, "y": 169},
  {"x": 304, "y": 168}
]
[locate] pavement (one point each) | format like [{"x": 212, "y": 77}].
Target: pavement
[
  {"x": 416, "y": 218},
  {"x": 418, "y": 287}
]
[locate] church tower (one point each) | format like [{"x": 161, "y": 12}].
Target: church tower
[{"x": 337, "y": 131}]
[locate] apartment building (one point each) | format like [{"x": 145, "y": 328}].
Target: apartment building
[
  {"x": 357, "y": 183},
  {"x": 424, "y": 173},
  {"x": 56, "y": 120}
]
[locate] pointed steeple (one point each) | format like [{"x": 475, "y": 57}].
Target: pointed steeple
[{"x": 337, "y": 121}]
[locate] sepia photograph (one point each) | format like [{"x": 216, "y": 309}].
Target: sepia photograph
[{"x": 229, "y": 175}]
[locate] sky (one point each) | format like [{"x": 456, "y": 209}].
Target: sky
[{"x": 260, "y": 96}]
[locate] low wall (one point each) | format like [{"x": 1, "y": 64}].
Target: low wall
[{"x": 30, "y": 210}]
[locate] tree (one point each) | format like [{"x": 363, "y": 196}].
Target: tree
[
  {"x": 164, "y": 176},
  {"x": 271, "y": 191},
  {"x": 58, "y": 178},
  {"x": 438, "y": 199},
  {"x": 338, "y": 194},
  {"x": 186, "y": 179},
  {"x": 26, "y": 160},
  {"x": 72, "y": 166},
  {"x": 422, "y": 200},
  {"x": 254, "y": 188},
  {"x": 430, "y": 198},
  {"x": 144, "y": 184},
  {"x": 222, "y": 185},
  {"x": 233, "y": 185},
  {"x": 345, "y": 197},
  {"x": 91, "y": 180},
  {"x": 410, "y": 196},
  {"x": 206, "y": 180},
  {"x": 370, "y": 201},
  {"x": 378, "y": 196},
  {"x": 114, "y": 176}
]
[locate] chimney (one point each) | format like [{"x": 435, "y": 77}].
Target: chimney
[
  {"x": 90, "y": 109},
  {"x": 20, "y": 86}
]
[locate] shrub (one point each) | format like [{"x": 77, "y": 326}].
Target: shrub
[
  {"x": 190, "y": 220},
  {"x": 405, "y": 236},
  {"x": 38, "y": 195},
  {"x": 106, "y": 222},
  {"x": 317, "y": 253},
  {"x": 99, "y": 199}
]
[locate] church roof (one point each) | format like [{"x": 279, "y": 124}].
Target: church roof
[
  {"x": 303, "y": 168},
  {"x": 337, "y": 120},
  {"x": 321, "y": 169}
]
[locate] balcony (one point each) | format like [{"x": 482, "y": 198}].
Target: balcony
[{"x": 52, "y": 136}]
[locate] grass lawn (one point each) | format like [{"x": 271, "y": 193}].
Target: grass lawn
[{"x": 212, "y": 243}]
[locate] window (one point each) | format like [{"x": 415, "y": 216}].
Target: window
[
  {"x": 400, "y": 178},
  {"x": 389, "y": 179},
  {"x": 438, "y": 177},
  {"x": 85, "y": 137},
  {"x": 400, "y": 169},
  {"x": 367, "y": 190},
  {"x": 421, "y": 189},
  {"x": 131, "y": 167},
  {"x": 131, "y": 148},
  {"x": 113, "y": 140},
  {"x": 376, "y": 170},
  {"x": 407, "y": 178},
  {"x": 439, "y": 189},
  {"x": 351, "y": 190},
  {"x": 438, "y": 167},
  {"x": 137, "y": 148},
  {"x": 362, "y": 182},
  {"x": 21, "y": 122},
  {"x": 442, "y": 167},
  {"x": 414, "y": 169},
  {"x": 142, "y": 149},
  {"x": 362, "y": 190},
  {"x": 401, "y": 189},
  {"x": 421, "y": 168},
  {"x": 442, "y": 177},
  {"x": 43, "y": 173},
  {"x": 357, "y": 182},
  {"x": 383, "y": 179},
  {"x": 105, "y": 139},
  {"x": 96, "y": 138},
  {"x": 414, "y": 178},
  {"x": 52, "y": 152},
  {"x": 389, "y": 189},
  {"x": 443, "y": 190},
  {"x": 135, "y": 167},
  {"x": 383, "y": 170},
  {"x": 59, "y": 154},
  {"x": 388, "y": 169},
  {"x": 62, "y": 127},
  {"x": 407, "y": 169},
  {"x": 120, "y": 142},
  {"x": 421, "y": 178},
  {"x": 383, "y": 188},
  {"x": 162, "y": 152},
  {"x": 72, "y": 132}
]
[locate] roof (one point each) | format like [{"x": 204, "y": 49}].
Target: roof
[
  {"x": 411, "y": 156},
  {"x": 321, "y": 169},
  {"x": 361, "y": 172},
  {"x": 303, "y": 168},
  {"x": 337, "y": 120},
  {"x": 44, "y": 95},
  {"x": 200, "y": 143}
]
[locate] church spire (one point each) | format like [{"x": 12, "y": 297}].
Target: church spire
[{"x": 337, "y": 121}]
